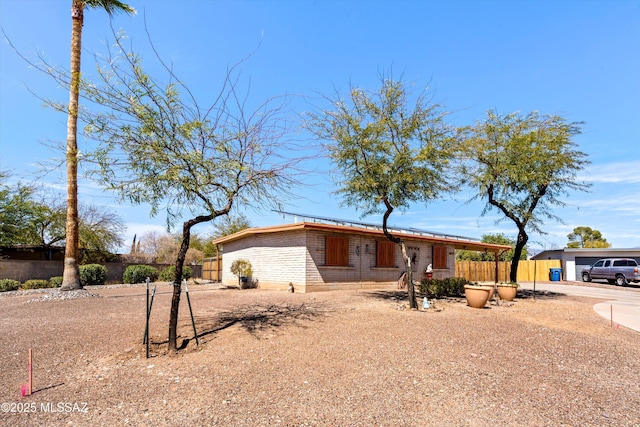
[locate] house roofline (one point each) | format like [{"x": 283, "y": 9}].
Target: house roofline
[
  {"x": 457, "y": 243},
  {"x": 584, "y": 251}
]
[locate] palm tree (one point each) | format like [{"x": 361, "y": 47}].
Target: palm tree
[{"x": 71, "y": 274}]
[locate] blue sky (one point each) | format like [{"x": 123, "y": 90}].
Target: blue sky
[{"x": 578, "y": 59}]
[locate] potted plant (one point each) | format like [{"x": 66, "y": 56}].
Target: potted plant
[
  {"x": 507, "y": 291},
  {"x": 477, "y": 295},
  {"x": 242, "y": 269}
]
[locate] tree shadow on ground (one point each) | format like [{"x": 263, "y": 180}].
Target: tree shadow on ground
[
  {"x": 529, "y": 294},
  {"x": 391, "y": 296},
  {"x": 260, "y": 319}
]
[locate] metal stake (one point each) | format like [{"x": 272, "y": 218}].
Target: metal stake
[{"x": 193, "y": 322}]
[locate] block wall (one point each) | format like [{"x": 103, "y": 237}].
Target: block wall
[
  {"x": 277, "y": 259},
  {"x": 298, "y": 257}
]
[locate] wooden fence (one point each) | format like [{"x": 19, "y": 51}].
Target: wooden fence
[
  {"x": 484, "y": 271},
  {"x": 211, "y": 268}
]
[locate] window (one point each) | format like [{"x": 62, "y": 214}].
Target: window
[
  {"x": 607, "y": 263},
  {"x": 625, "y": 263},
  {"x": 336, "y": 251},
  {"x": 598, "y": 264},
  {"x": 385, "y": 254},
  {"x": 439, "y": 257}
]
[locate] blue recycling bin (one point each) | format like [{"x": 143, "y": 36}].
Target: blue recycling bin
[{"x": 555, "y": 274}]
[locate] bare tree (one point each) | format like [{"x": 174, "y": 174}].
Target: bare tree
[{"x": 159, "y": 145}]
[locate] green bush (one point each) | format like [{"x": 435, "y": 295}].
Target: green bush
[
  {"x": 7, "y": 285},
  {"x": 242, "y": 269},
  {"x": 449, "y": 287},
  {"x": 93, "y": 274},
  {"x": 55, "y": 282},
  {"x": 169, "y": 273},
  {"x": 139, "y": 273},
  {"x": 35, "y": 284}
]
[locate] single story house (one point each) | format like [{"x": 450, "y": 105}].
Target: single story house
[
  {"x": 575, "y": 259},
  {"x": 319, "y": 256}
]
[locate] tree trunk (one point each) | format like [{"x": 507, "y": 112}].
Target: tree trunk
[
  {"x": 177, "y": 285},
  {"x": 71, "y": 273},
  {"x": 405, "y": 257},
  {"x": 517, "y": 252},
  {"x": 407, "y": 262},
  {"x": 177, "y": 279}
]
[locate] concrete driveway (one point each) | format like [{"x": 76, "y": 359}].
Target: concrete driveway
[{"x": 620, "y": 304}]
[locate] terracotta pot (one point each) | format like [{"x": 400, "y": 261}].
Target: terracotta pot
[
  {"x": 507, "y": 292},
  {"x": 477, "y": 296}
]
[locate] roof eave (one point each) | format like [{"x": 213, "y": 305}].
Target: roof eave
[{"x": 458, "y": 244}]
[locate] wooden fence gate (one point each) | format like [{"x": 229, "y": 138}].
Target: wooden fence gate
[
  {"x": 484, "y": 271},
  {"x": 212, "y": 268}
]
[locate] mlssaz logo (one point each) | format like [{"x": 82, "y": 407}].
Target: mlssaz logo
[{"x": 64, "y": 407}]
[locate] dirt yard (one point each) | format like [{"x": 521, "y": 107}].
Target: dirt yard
[{"x": 347, "y": 358}]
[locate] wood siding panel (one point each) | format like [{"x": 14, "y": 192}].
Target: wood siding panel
[
  {"x": 439, "y": 257},
  {"x": 385, "y": 254},
  {"x": 337, "y": 251}
]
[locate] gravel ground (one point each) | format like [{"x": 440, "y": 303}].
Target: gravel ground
[{"x": 347, "y": 358}]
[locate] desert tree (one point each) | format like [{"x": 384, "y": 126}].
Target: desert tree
[
  {"x": 32, "y": 215},
  {"x": 498, "y": 239},
  {"x": 100, "y": 228},
  {"x": 390, "y": 150},
  {"x": 18, "y": 210},
  {"x": 586, "y": 237},
  {"x": 157, "y": 144},
  {"x": 71, "y": 274},
  {"x": 227, "y": 225},
  {"x": 523, "y": 165},
  {"x": 230, "y": 224}
]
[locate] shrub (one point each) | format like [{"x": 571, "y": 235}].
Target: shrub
[
  {"x": 55, "y": 282},
  {"x": 139, "y": 273},
  {"x": 35, "y": 284},
  {"x": 242, "y": 268},
  {"x": 169, "y": 273},
  {"x": 7, "y": 285},
  {"x": 449, "y": 287},
  {"x": 93, "y": 274}
]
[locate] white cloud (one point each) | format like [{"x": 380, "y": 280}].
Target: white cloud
[
  {"x": 620, "y": 204},
  {"x": 614, "y": 173}
]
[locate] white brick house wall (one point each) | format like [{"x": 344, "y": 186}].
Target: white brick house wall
[{"x": 277, "y": 259}]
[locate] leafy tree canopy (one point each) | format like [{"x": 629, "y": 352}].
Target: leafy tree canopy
[
  {"x": 29, "y": 216},
  {"x": 391, "y": 150},
  {"x": 230, "y": 224},
  {"x": 586, "y": 237},
  {"x": 523, "y": 165},
  {"x": 18, "y": 210},
  {"x": 499, "y": 239}
]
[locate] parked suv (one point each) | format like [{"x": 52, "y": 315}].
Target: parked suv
[{"x": 619, "y": 271}]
